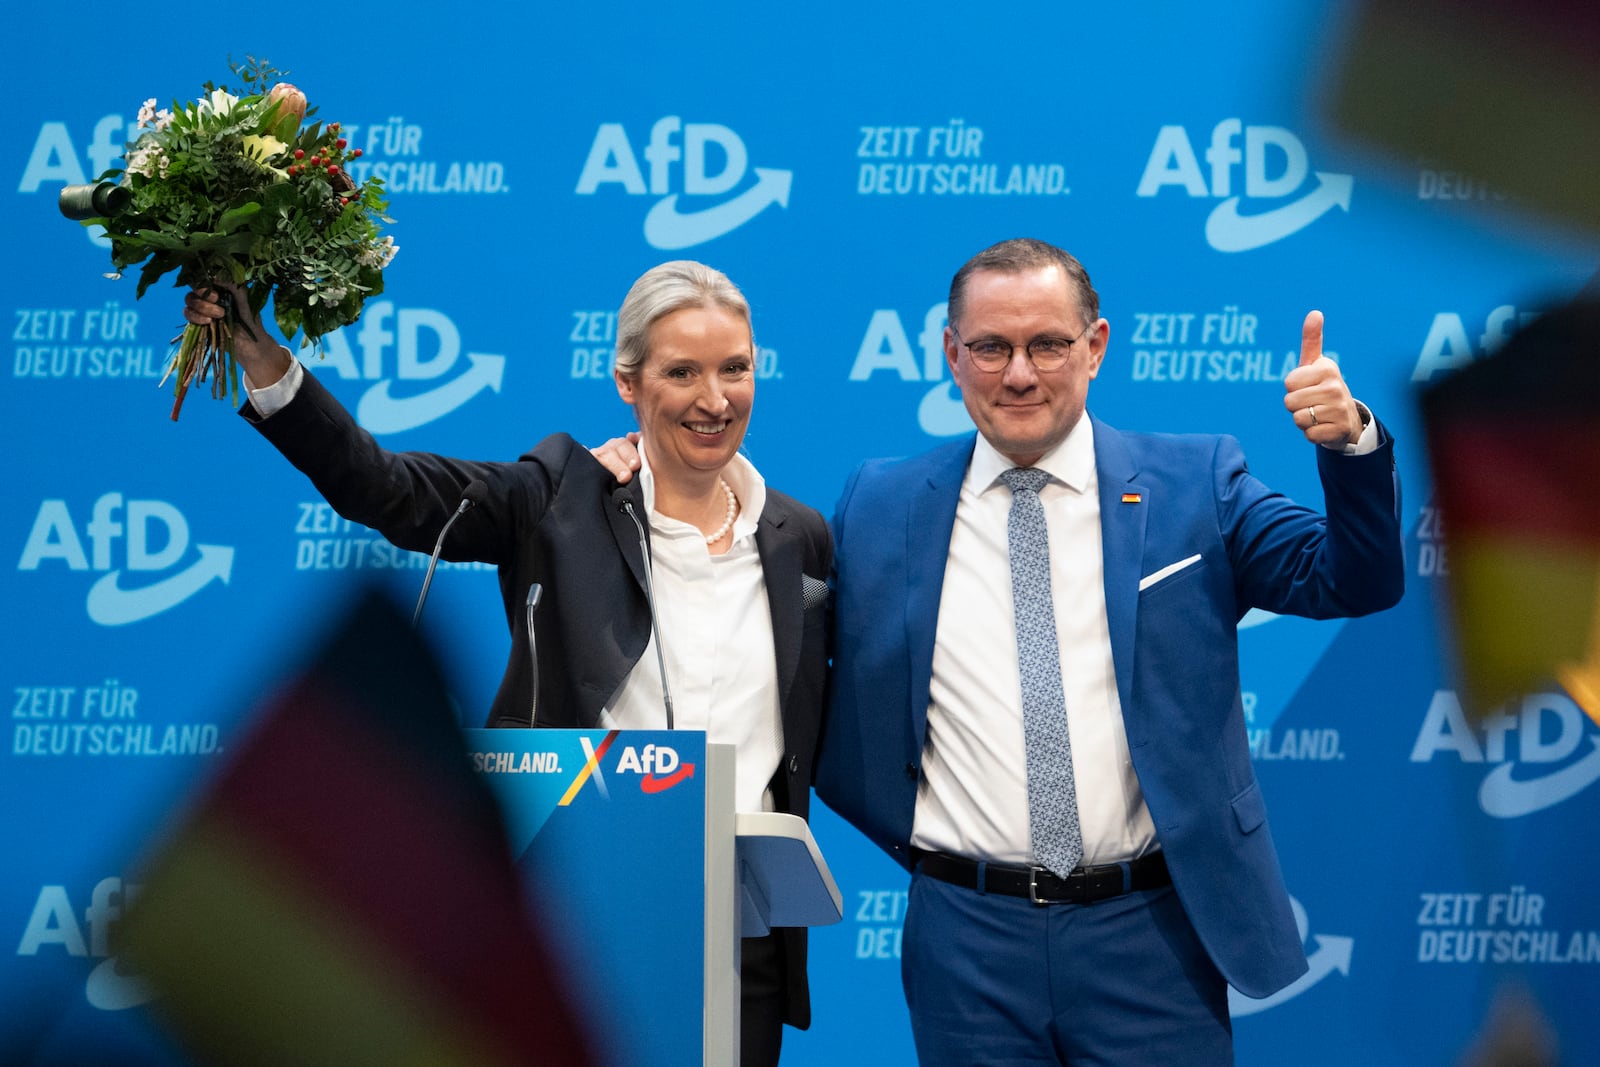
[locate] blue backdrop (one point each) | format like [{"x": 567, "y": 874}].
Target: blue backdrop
[{"x": 839, "y": 162}]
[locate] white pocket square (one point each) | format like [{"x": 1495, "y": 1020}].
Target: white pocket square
[{"x": 1172, "y": 568}]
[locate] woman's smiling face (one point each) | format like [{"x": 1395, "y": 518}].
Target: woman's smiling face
[{"x": 694, "y": 393}]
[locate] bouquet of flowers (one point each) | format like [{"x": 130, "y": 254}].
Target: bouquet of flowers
[{"x": 233, "y": 187}]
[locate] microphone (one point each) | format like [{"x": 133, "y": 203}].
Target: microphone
[
  {"x": 535, "y": 591},
  {"x": 619, "y": 497},
  {"x": 474, "y": 493}
]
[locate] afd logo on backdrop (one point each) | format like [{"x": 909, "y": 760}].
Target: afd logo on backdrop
[
  {"x": 55, "y": 159},
  {"x": 154, "y": 537},
  {"x": 704, "y": 162},
  {"x": 53, "y": 926},
  {"x": 1449, "y": 345},
  {"x": 419, "y": 347},
  {"x": 1540, "y": 751},
  {"x": 888, "y": 347},
  {"x": 1280, "y": 196}
]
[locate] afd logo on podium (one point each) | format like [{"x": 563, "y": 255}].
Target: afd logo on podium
[
  {"x": 704, "y": 162},
  {"x": 151, "y": 540},
  {"x": 421, "y": 349},
  {"x": 1278, "y": 200},
  {"x": 657, "y": 767}
]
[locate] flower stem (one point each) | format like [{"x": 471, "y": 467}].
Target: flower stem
[
  {"x": 204, "y": 351},
  {"x": 185, "y": 364}
]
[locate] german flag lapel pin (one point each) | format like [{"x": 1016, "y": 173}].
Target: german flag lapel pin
[{"x": 1133, "y": 498}]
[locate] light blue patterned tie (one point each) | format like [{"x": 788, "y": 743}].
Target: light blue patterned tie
[{"x": 1052, "y": 795}]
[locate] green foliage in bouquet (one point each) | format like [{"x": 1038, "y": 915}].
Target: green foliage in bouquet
[{"x": 234, "y": 187}]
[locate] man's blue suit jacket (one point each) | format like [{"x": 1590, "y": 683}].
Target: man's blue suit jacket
[{"x": 1174, "y": 647}]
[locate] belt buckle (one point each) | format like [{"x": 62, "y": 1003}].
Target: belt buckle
[{"x": 1033, "y": 888}]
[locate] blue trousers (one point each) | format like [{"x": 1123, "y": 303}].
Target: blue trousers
[{"x": 998, "y": 981}]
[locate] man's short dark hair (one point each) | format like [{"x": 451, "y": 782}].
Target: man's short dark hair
[{"x": 1023, "y": 254}]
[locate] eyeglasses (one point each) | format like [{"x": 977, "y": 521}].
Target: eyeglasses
[{"x": 993, "y": 354}]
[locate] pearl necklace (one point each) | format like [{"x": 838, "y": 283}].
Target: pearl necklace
[{"x": 727, "y": 521}]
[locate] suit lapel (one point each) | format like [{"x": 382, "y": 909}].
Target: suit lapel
[
  {"x": 1122, "y": 533},
  {"x": 930, "y": 520},
  {"x": 782, "y": 562},
  {"x": 626, "y": 533}
]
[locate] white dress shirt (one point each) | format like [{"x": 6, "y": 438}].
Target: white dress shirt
[
  {"x": 270, "y": 399},
  {"x": 716, "y": 633},
  {"x": 973, "y": 797}
]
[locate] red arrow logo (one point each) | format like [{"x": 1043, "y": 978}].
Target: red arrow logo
[{"x": 651, "y": 784}]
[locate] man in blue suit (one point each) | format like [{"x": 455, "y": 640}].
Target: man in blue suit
[{"x": 1083, "y": 891}]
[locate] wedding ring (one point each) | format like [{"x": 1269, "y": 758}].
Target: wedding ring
[{"x": 1313, "y": 410}]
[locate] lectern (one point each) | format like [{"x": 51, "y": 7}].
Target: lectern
[{"x": 642, "y": 876}]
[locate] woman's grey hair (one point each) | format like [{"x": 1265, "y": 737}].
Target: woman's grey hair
[{"x": 659, "y": 292}]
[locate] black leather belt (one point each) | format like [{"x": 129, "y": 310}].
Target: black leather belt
[{"x": 1083, "y": 886}]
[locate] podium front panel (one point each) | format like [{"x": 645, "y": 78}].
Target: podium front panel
[{"x": 608, "y": 829}]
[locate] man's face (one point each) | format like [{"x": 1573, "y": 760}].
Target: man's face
[{"x": 1022, "y": 411}]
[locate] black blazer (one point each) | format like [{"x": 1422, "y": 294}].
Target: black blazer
[{"x": 554, "y": 517}]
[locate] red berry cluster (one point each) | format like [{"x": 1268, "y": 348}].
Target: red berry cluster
[{"x": 326, "y": 157}]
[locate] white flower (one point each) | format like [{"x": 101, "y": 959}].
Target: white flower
[
  {"x": 262, "y": 147},
  {"x": 163, "y": 120},
  {"x": 219, "y": 103},
  {"x": 378, "y": 255},
  {"x": 147, "y": 112},
  {"x": 332, "y": 294},
  {"x": 149, "y": 160}
]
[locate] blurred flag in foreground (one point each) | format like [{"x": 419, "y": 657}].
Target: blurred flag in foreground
[
  {"x": 1515, "y": 447},
  {"x": 1506, "y": 94},
  {"x": 342, "y": 892}
]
